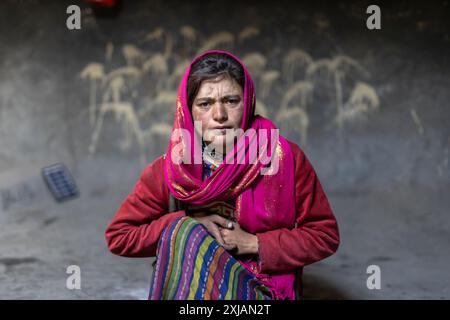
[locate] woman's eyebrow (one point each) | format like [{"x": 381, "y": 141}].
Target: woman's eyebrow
[
  {"x": 205, "y": 99},
  {"x": 231, "y": 96}
]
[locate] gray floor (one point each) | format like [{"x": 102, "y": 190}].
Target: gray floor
[{"x": 38, "y": 242}]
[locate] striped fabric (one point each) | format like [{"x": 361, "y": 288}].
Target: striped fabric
[{"x": 191, "y": 265}]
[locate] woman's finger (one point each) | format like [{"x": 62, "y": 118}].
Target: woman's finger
[
  {"x": 215, "y": 232},
  {"x": 221, "y": 221},
  {"x": 225, "y": 234},
  {"x": 229, "y": 247}
]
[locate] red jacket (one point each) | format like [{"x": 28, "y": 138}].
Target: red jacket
[{"x": 143, "y": 215}]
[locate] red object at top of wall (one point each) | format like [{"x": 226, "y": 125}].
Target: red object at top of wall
[{"x": 104, "y": 3}]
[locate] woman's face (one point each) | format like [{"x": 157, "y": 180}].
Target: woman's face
[{"x": 219, "y": 105}]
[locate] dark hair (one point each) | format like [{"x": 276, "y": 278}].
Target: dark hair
[{"x": 209, "y": 67}]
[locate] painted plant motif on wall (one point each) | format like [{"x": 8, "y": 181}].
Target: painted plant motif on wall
[{"x": 141, "y": 93}]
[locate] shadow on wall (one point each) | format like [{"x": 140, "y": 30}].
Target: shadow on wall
[{"x": 316, "y": 287}]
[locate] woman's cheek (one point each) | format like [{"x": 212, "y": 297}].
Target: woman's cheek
[
  {"x": 200, "y": 117},
  {"x": 239, "y": 112}
]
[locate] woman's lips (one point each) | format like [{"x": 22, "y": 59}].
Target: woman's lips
[{"x": 220, "y": 131}]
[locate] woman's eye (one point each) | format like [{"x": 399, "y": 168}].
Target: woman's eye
[
  {"x": 203, "y": 104},
  {"x": 233, "y": 101}
]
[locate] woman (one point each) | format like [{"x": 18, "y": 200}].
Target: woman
[{"x": 223, "y": 228}]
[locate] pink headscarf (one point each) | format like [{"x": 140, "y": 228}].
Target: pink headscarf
[{"x": 263, "y": 202}]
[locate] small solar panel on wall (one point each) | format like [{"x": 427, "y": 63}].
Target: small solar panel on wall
[{"x": 60, "y": 182}]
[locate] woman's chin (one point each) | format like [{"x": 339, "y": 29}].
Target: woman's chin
[{"x": 221, "y": 144}]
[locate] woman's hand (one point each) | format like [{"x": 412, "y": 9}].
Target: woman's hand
[
  {"x": 246, "y": 243},
  {"x": 214, "y": 223}
]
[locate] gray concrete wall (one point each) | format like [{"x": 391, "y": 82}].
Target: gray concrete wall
[{"x": 369, "y": 108}]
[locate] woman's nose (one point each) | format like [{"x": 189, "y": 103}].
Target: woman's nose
[{"x": 219, "y": 112}]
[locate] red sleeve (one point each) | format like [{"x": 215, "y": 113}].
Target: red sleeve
[
  {"x": 138, "y": 223},
  {"x": 316, "y": 235}
]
